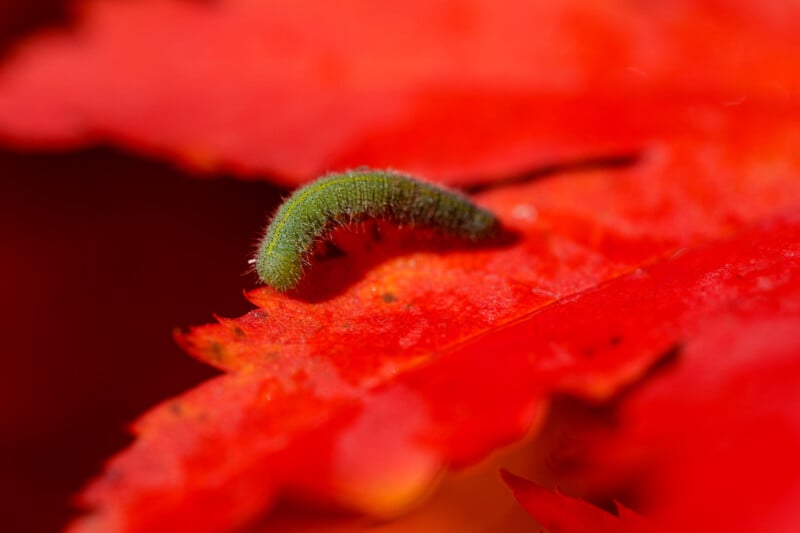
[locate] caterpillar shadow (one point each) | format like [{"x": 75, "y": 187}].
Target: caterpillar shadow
[{"x": 349, "y": 253}]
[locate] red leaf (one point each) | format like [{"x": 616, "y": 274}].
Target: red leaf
[
  {"x": 711, "y": 445},
  {"x": 459, "y": 349},
  {"x": 562, "y": 514},
  {"x": 451, "y": 90},
  {"x": 301, "y": 411}
]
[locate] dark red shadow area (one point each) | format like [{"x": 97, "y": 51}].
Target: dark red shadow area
[
  {"x": 19, "y": 18},
  {"x": 102, "y": 256}
]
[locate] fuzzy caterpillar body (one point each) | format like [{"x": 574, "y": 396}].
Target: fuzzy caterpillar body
[{"x": 313, "y": 211}]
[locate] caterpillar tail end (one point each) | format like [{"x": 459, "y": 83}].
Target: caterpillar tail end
[{"x": 280, "y": 274}]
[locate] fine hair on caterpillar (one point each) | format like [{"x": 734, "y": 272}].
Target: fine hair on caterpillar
[{"x": 312, "y": 212}]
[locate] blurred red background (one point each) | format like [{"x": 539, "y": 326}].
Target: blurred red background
[
  {"x": 91, "y": 242},
  {"x": 87, "y": 260}
]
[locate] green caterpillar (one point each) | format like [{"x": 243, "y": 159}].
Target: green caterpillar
[{"x": 313, "y": 211}]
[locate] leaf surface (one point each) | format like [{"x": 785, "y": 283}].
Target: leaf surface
[
  {"x": 710, "y": 443},
  {"x": 460, "y": 350}
]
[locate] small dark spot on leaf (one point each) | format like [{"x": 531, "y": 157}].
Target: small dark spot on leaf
[
  {"x": 388, "y": 297},
  {"x": 176, "y": 408},
  {"x": 215, "y": 352},
  {"x": 615, "y": 340}
]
